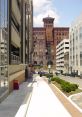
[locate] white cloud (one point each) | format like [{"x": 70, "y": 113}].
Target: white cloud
[
  {"x": 40, "y": 5},
  {"x": 43, "y": 8}
]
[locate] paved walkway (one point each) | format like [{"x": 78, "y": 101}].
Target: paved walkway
[
  {"x": 72, "y": 109},
  {"x": 10, "y": 106},
  {"x": 77, "y": 99},
  {"x": 44, "y": 102}
]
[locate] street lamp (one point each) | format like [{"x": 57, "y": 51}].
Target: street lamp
[{"x": 49, "y": 67}]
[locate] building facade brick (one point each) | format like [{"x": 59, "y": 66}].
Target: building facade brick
[{"x": 45, "y": 40}]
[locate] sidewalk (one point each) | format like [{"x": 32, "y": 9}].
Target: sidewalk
[
  {"x": 44, "y": 102},
  {"x": 10, "y": 106}
]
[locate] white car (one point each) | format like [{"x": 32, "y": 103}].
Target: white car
[{"x": 57, "y": 72}]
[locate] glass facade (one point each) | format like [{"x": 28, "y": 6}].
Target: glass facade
[{"x": 3, "y": 47}]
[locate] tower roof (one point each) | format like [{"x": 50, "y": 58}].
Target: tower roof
[{"x": 48, "y": 18}]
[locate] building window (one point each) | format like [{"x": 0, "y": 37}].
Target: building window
[
  {"x": 80, "y": 32},
  {"x": 66, "y": 47},
  {"x": 66, "y": 42},
  {"x": 81, "y": 58},
  {"x": 81, "y": 62},
  {"x": 76, "y": 59}
]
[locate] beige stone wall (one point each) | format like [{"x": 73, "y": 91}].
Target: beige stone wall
[{"x": 15, "y": 68}]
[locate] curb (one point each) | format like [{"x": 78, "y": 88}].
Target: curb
[
  {"x": 68, "y": 98},
  {"x": 28, "y": 103},
  {"x": 24, "y": 107}
]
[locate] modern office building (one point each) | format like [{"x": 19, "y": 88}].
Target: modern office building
[
  {"x": 15, "y": 39},
  {"x": 75, "y": 55},
  {"x": 20, "y": 38},
  {"x": 45, "y": 40},
  {"x": 3, "y": 50},
  {"x": 61, "y": 49}
]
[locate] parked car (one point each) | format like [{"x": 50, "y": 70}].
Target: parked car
[{"x": 57, "y": 72}]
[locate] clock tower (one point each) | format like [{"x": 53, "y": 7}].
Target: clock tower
[{"x": 49, "y": 36}]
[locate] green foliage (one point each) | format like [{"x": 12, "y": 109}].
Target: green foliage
[
  {"x": 65, "y": 86},
  {"x": 38, "y": 66},
  {"x": 48, "y": 75},
  {"x": 52, "y": 79},
  {"x": 51, "y": 75},
  {"x": 74, "y": 87},
  {"x": 69, "y": 87}
]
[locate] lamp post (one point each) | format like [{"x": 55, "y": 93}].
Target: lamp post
[{"x": 49, "y": 67}]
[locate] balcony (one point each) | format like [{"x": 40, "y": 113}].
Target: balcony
[
  {"x": 15, "y": 10},
  {"x": 15, "y": 37}
]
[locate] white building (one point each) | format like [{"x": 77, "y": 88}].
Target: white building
[
  {"x": 61, "y": 49},
  {"x": 75, "y": 55},
  {"x": 3, "y": 55},
  {"x": 3, "y": 46}
]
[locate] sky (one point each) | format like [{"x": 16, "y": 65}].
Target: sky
[
  {"x": 3, "y": 13},
  {"x": 64, "y": 11}
]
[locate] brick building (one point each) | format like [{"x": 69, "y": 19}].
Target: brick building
[{"x": 45, "y": 40}]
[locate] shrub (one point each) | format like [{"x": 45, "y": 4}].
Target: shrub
[
  {"x": 52, "y": 79},
  {"x": 57, "y": 79},
  {"x": 48, "y": 75},
  {"x": 66, "y": 87},
  {"x": 74, "y": 87}
]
